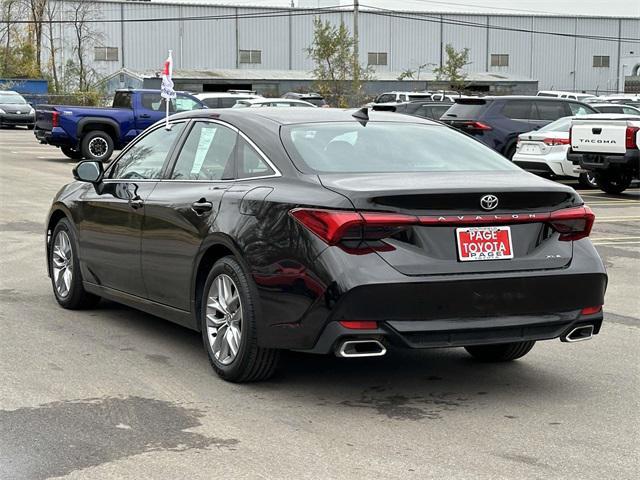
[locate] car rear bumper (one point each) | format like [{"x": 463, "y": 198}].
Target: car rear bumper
[
  {"x": 596, "y": 161},
  {"x": 440, "y": 310},
  {"x": 56, "y": 137},
  {"x": 456, "y": 332},
  {"x": 551, "y": 166}
]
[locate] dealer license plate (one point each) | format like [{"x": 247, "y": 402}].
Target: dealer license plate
[{"x": 484, "y": 243}]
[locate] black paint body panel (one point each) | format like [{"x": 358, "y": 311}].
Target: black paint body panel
[{"x": 150, "y": 257}]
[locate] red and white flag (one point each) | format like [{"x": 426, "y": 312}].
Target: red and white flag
[{"x": 166, "y": 90}]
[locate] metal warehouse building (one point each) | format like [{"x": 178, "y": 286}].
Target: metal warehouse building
[{"x": 563, "y": 53}]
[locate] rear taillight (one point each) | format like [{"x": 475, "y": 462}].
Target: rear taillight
[
  {"x": 630, "y": 137},
  {"x": 572, "y": 223},
  {"x": 54, "y": 119},
  {"x": 336, "y": 226},
  {"x": 552, "y": 142},
  {"x": 570, "y": 133},
  {"x": 359, "y": 233},
  {"x": 591, "y": 310},
  {"x": 476, "y": 126},
  {"x": 359, "y": 324}
]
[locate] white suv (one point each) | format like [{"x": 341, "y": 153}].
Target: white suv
[{"x": 226, "y": 99}]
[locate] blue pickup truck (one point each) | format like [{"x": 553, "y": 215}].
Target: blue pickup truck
[{"x": 94, "y": 133}]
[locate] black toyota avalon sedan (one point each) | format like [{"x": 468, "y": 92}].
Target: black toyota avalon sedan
[{"x": 325, "y": 230}]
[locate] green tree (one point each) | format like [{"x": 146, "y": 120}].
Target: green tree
[
  {"x": 338, "y": 74},
  {"x": 451, "y": 70}
]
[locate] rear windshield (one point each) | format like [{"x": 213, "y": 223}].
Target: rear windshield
[
  {"x": 317, "y": 101},
  {"x": 465, "y": 111},
  {"x": 351, "y": 147},
  {"x": 561, "y": 125}
]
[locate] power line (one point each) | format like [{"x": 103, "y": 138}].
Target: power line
[
  {"x": 276, "y": 13},
  {"x": 422, "y": 17}
]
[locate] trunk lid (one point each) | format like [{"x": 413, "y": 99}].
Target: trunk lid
[{"x": 444, "y": 202}]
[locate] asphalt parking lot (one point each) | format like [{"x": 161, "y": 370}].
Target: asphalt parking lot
[{"x": 113, "y": 393}]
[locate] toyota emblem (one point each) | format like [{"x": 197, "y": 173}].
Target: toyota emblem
[{"x": 489, "y": 202}]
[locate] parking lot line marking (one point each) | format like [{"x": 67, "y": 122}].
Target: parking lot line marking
[
  {"x": 616, "y": 243},
  {"x": 597, "y": 239}
]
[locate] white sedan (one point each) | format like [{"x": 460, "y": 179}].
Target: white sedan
[
  {"x": 272, "y": 102},
  {"x": 544, "y": 152}
]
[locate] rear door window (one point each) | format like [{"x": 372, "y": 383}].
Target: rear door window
[
  {"x": 577, "y": 109},
  {"x": 207, "y": 154},
  {"x": 212, "y": 102},
  {"x": 465, "y": 111},
  {"x": 518, "y": 110},
  {"x": 385, "y": 98},
  {"x": 153, "y": 101},
  {"x": 550, "y": 110},
  {"x": 250, "y": 163}
]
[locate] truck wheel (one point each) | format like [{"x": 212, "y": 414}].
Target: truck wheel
[
  {"x": 97, "y": 145},
  {"x": 588, "y": 180},
  {"x": 71, "y": 153},
  {"x": 613, "y": 182}
]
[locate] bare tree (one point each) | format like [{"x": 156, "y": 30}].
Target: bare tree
[
  {"x": 37, "y": 9},
  {"x": 83, "y": 15},
  {"x": 50, "y": 14}
]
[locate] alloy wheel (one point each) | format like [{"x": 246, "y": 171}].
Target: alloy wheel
[
  {"x": 98, "y": 147},
  {"x": 224, "y": 319},
  {"x": 62, "y": 264}
]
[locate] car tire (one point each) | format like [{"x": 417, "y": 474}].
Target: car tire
[
  {"x": 97, "y": 145},
  {"x": 613, "y": 182},
  {"x": 510, "y": 151},
  {"x": 64, "y": 268},
  {"x": 229, "y": 310},
  {"x": 588, "y": 180},
  {"x": 501, "y": 352},
  {"x": 71, "y": 153}
]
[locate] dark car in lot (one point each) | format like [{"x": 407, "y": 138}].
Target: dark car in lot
[
  {"x": 15, "y": 111},
  {"x": 419, "y": 108},
  {"x": 311, "y": 97},
  {"x": 95, "y": 132},
  {"x": 326, "y": 230},
  {"x": 497, "y": 121}
]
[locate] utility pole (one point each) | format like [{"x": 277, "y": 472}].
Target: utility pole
[
  {"x": 356, "y": 48},
  {"x": 356, "y": 44}
]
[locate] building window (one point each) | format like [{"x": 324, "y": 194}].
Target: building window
[
  {"x": 106, "y": 54},
  {"x": 499, "y": 60},
  {"x": 601, "y": 61},
  {"x": 377, "y": 58},
  {"x": 250, "y": 56}
]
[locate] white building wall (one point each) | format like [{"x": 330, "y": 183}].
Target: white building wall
[{"x": 556, "y": 61}]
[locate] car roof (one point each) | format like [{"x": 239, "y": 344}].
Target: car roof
[
  {"x": 204, "y": 95},
  {"x": 516, "y": 97},
  {"x": 289, "y": 116},
  {"x": 255, "y": 101}
]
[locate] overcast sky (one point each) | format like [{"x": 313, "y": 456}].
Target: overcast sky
[{"x": 628, "y": 8}]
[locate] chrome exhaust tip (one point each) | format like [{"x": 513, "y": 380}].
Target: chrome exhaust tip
[
  {"x": 578, "y": 334},
  {"x": 360, "y": 348}
]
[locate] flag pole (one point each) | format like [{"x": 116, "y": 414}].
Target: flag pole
[{"x": 166, "y": 117}]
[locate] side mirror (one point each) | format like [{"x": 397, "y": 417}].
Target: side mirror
[{"x": 88, "y": 171}]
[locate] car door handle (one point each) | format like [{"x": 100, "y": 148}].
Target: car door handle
[
  {"x": 136, "y": 203},
  {"x": 201, "y": 206},
  {"x": 144, "y": 115}
]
